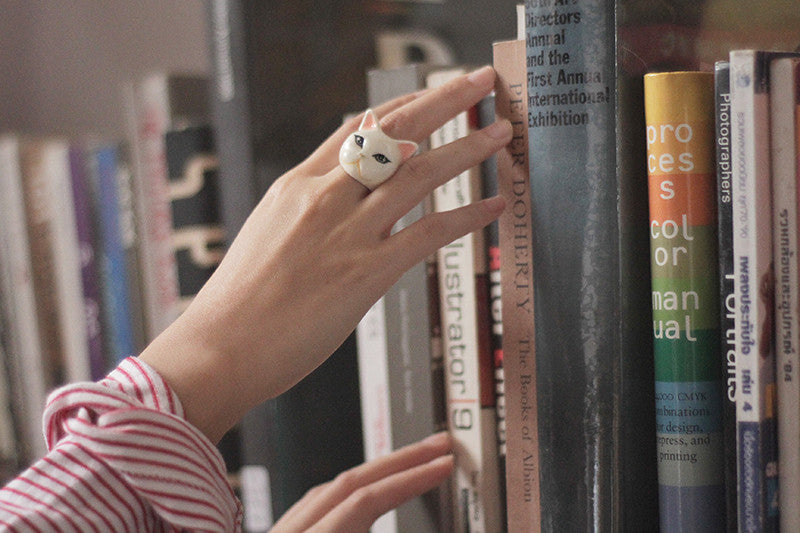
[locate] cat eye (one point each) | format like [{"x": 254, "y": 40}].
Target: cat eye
[
  {"x": 359, "y": 141},
  {"x": 382, "y": 159}
]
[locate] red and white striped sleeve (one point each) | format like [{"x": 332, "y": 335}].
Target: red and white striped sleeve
[{"x": 122, "y": 458}]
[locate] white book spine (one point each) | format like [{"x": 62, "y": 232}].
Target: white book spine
[
  {"x": 149, "y": 119},
  {"x": 67, "y": 262},
  {"x": 373, "y": 375},
  {"x": 460, "y": 336},
  {"x": 24, "y": 348},
  {"x": 787, "y": 310},
  {"x": 754, "y": 288}
]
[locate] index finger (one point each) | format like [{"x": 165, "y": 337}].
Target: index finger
[{"x": 418, "y": 119}]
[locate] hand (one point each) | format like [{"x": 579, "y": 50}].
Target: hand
[
  {"x": 313, "y": 256},
  {"x": 356, "y": 498}
]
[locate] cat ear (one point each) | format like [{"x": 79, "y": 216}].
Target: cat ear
[
  {"x": 407, "y": 148},
  {"x": 370, "y": 121}
]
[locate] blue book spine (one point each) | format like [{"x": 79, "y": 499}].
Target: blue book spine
[{"x": 115, "y": 275}]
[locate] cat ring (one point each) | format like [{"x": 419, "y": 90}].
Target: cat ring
[{"x": 370, "y": 156}]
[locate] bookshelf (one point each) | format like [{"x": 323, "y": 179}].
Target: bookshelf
[{"x": 69, "y": 60}]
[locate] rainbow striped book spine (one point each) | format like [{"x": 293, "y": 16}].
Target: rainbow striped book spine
[{"x": 679, "y": 115}]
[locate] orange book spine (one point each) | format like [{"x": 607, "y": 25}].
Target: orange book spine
[{"x": 523, "y": 506}]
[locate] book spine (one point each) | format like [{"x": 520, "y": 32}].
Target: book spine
[
  {"x": 117, "y": 311},
  {"x": 754, "y": 293},
  {"x": 516, "y": 276},
  {"x": 490, "y": 467},
  {"x": 198, "y": 237},
  {"x": 149, "y": 116},
  {"x": 486, "y": 116},
  {"x": 131, "y": 245},
  {"x": 797, "y": 178},
  {"x": 438, "y": 382},
  {"x": 89, "y": 260},
  {"x": 373, "y": 377},
  {"x": 67, "y": 263},
  {"x": 783, "y": 101},
  {"x": 456, "y": 263},
  {"x": 727, "y": 301},
  {"x": 396, "y": 359},
  {"x": 27, "y": 369},
  {"x": 260, "y": 475},
  {"x": 40, "y": 235},
  {"x": 230, "y": 108},
  {"x": 679, "y": 116},
  {"x": 591, "y": 328}
]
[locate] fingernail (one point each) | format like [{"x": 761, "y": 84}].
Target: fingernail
[
  {"x": 444, "y": 460},
  {"x": 496, "y": 204},
  {"x": 483, "y": 77},
  {"x": 438, "y": 438},
  {"x": 499, "y": 130}
]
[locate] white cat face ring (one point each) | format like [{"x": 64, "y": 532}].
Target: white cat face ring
[{"x": 370, "y": 156}]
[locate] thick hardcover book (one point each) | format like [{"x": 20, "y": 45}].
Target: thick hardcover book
[
  {"x": 27, "y": 370},
  {"x": 395, "y": 359},
  {"x": 89, "y": 259},
  {"x": 679, "y": 118},
  {"x": 198, "y": 236},
  {"x": 157, "y": 103},
  {"x": 523, "y": 512},
  {"x": 590, "y": 242},
  {"x": 727, "y": 301},
  {"x": 117, "y": 312},
  {"x": 198, "y": 240},
  {"x": 754, "y": 291},
  {"x": 784, "y": 100},
  {"x": 471, "y": 422}
]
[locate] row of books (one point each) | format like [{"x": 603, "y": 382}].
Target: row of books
[
  {"x": 615, "y": 367},
  {"x": 578, "y": 374},
  {"x": 764, "y": 93},
  {"x": 103, "y": 244},
  {"x": 722, "y": 165}
]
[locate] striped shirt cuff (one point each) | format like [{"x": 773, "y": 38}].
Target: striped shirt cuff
[{"x": 134, "y": 423}]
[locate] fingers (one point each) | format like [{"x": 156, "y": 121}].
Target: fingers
[
  {"x": 326, "y": 156},
  {"x": 418, "y": 119},
  {"x": 411, "y": 245},
  {"x": 418, "y": 176},
  {"x": 322, "y": 500},
  {"x": 360, "y": 510},
  {"x": 412, "y": 117}
]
